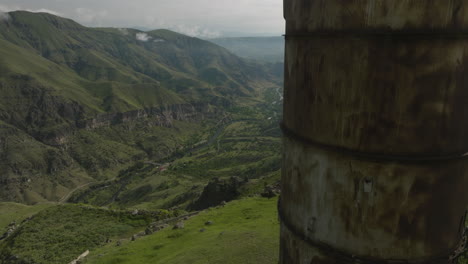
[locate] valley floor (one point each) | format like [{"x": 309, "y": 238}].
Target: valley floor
[{"x": 238, "y": 161}]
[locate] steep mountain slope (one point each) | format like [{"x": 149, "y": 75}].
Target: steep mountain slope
[
  {"x": 129, "y": 56},
  {"x": 80, "y": 104}
]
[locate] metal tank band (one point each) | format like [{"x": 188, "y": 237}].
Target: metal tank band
[
  {"x": 375, "y": 131},
  {"x": 423, "y": 157},
  {"x": 346, "y": 257}
]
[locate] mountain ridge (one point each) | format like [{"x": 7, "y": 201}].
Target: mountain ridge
[{"x": 64, "y": 84}]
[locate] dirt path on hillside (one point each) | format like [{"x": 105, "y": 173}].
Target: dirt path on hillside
[{"x": 67, "y": 196}]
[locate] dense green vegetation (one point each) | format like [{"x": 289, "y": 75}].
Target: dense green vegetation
[
  {"x": 244, "y": 231},
  {"x": 245, "y": 149},
  {"x": 80, "y": 104},
  {"x": 61, "y": 233}
]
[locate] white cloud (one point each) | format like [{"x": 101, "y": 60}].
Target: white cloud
[
  {"x": 196, "y": 31},
  {"x": 158, "y": 40},
  {"x": 142, "y": 37}
]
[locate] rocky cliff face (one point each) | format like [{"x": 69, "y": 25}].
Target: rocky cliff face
[
  {"x": 162, "y": 116},
  {"x": 39, "y": 146}
]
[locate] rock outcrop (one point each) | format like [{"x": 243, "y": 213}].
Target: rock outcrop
[{"x": 218, "y": 191}]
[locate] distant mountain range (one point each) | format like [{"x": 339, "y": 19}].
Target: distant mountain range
[
  {"x": 263, "y": 49},
  {"x": 63, "y": 86}
]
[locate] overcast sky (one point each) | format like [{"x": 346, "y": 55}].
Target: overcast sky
[{"x": 202, "y": 18}]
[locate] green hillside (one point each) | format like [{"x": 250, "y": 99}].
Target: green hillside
[
  {"x": 190, "y": 66},
  {"x": 244, "y": 231},
  {"x": 79, "y": 105},
  {"x": 248, "y": 150},
  {"x": 61, "y": 233},
  {"x": 15, "y": 213}
]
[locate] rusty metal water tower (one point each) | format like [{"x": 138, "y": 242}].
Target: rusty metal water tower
[{"x": 376, "y": 131}]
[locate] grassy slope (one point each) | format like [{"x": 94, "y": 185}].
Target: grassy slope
[
  {"x": 64, "y": 82},
  {"x": 60, "y": 233},
  {"x": 14, "y": 212},
  {"x": 244, "y": 231},
  {"x": 26, "y": 162},
  {"x": 17, "y": 60}
]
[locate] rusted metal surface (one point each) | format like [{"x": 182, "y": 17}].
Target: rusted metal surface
[
  {"x": 388, "y": 95},
  {"x": 383, "y": 79},
  {"x": 311, "y": 15}
]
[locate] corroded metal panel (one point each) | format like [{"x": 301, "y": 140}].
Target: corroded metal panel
[
  {"x": 375, "y": 110},
  {"x": 311, "y": 15},
  {"x": 373, "y": 209},
  {"x": 380, "y": 94}
]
